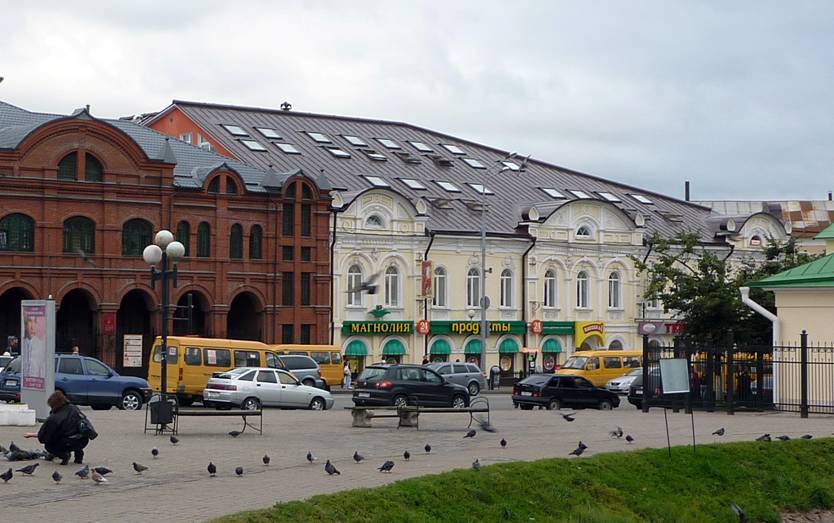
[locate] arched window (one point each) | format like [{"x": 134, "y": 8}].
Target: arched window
[
  {"x": 550, "y": 288},
  {"x": 582, "y": 290},
  {"x": 68, "y": 167},
  {"x": 374, "y": 221},
  {"x": 306, "y": 211},
  {"x": 615, "y": 291},
  {"x": 184, "y": 236},
  {"x": 354, "y": 280},
  {"x": 616, "y": 345},
  {"x": 583, "y": 232},
  {"x": 256, "y": 236},
  {"x": 288, "y": 213},
  {"x": 136, "y": 235},
  {"x": 473, "y": 288},
  {"x": 214, "y": 185},
  {"x": 203, "y": 240},
  {"x": 756, "y": 241},
  {"x": 17, "y": 233},
  {"x": 79, "y": 235},
  {"x": 231, "y": 186},
  {"x": 506, "y": 288},
  {"x": 306, "y": 193},
  {"x": 392, "y": 287},
  {"x": 93, "y": 171},
  {"x": 440, "y": 297},
  {"x": 236, "y": 242}
]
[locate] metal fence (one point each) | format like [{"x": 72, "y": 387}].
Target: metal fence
[{"x": 796, "y": 378}]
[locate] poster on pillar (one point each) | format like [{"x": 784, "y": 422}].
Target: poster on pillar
[
  {"x": 37, "y": 353},
  {"x": 132, "y": 350}
]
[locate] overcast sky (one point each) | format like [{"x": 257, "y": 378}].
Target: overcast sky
[{"x": 737, "y": 97}]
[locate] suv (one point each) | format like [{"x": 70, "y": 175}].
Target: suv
[
  {"x": 305, "y": 369},
  {"x": 85, "y": 381},
  {"x": 466, "y": 374},
  {"x": 401, "y": 385}
]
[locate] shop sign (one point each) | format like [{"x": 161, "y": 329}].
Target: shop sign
[
  {"x": 377, "y": 328},
  {"x": 565, "y": 328},
  {"x": 423, "y": 327},
  {"x": 536, "y": 326},
  {"x": 467, "y": 328},
  {"x": 656, "y": 328},
  {"x": 584, "y": 330}
]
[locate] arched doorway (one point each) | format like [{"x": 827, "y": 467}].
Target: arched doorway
[
  {"x": 134, "y": 319},
  {"x": 245, "y": 318},
  {"x": 10, "y": 315},
  {"x": 189, "y": 318},
  {"x": 76, "y": 323}
]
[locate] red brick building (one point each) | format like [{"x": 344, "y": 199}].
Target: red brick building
[{"x": 83, "y": 196}]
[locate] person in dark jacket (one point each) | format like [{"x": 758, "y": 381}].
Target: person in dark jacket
[{"x": 60, "y": 432}]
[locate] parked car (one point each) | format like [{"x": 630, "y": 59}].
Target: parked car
[
  {"x": 636, "y": 392},
  {"x": 554, "y": 392},
  {"x": 4, "y": 361},
  {"x": 599, "y": 366},
  {"x": 305, "y": 369},
  {"x": 85, "y": 381},
  {"x": 466, "y": 374},
  {"x": 328, "y": 357},
  {"x": 401, "y": 385},
  {"x": 251, "y": 388},
  {"x": 620, "y": 385}
]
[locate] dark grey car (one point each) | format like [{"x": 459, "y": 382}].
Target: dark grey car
[
  {"x": 466, "y": 374},
  {"x": 305, "y": 369}
]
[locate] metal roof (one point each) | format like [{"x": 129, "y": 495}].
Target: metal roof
[
  {"x": 826, "y": 234},
  {"x": 815, "y": 274}
]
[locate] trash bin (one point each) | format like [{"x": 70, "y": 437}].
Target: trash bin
[
  {"x": 162, "y": 412},
  {"x": 494, "y": 377}
]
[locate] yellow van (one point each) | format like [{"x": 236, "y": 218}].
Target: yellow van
[
  {"x": 599, "y": 366},
  {"x": 192, "y": 361},
  {"x": 329, "y": 358}
]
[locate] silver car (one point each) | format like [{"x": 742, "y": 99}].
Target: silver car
[
  {"x": 620, "y": 385},
  {"x": 466, "y": 374},
  {"x": 251, "y": 388}
]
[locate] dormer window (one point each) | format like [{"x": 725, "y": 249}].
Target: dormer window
[
  {"x": 214, "y": 185},
  {"x": 756, "y": 241},
  {"x": 583, "y": 232},
  {"x": 374, "y": 221}
]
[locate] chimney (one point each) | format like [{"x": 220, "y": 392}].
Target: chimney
[
  {"x": 829, "y": 196},
  {"x": 686, "y": 190}
]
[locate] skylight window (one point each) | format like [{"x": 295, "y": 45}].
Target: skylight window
[
  {"x": 376, "y": 181},
  {"x": 389, "y": 144},
  {"x": 272, "y": 134},
  {"x": 609, "y": 197},
  {"x": 287, "y": 148},
  {"x": 454, "y": 149},
  {"x": 373, "y": 155},
  {"x": 642, "y": 199},
  {"x": 448, "y": 186},
  {"x": 553, "y": 193},
  {"x": 511, "y": 166},
  {"x": 420, "y": 146},
  {"x": 253, "y": 145},
  {"x": 475, "y": 164},
  {"x": 480, "y": 188},
  {"x": 338, "y": 153},
  {"x": 355, "y": 140},
  {"x": 580, "y": 194},
  {"x": 235, "y": 130},
  {"x": 413, "y": 184},
  {"x": 319, "y": 138}
]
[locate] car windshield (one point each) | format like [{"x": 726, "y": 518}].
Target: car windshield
[
  {"x": 14, "y": 365},
  {"x": 535, "y": 379},
  {"x": 575, "y": 363},
  {"x": 371, "y": 373}
]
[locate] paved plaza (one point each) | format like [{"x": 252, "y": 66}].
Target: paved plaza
[{"x": 177, "y": 487}]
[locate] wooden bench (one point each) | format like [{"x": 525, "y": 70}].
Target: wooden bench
[
  {"x": 208, "y": 412},
  {"x": 409, "y": 415}
]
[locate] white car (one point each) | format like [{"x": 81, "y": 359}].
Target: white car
[
  {"x": 620, "y": 385},
  {"x": 251, "y": 388}
]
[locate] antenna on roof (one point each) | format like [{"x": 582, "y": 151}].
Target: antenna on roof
[{"x": 286, "y": 106}]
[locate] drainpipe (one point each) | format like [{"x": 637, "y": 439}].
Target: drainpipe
[
  {"x": 332, "y": 287},
  {"x": 426, "y": 301},
  {"x": 745, "y": 298},
  {"x": 524, "y": 289}
]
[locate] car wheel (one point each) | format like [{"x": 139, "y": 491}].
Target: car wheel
[
  {"x": 131, "y": 400},
  {"x": 554, "y": 404},
  {"x": 458, "y": 402},
  {"x": 251, "y": 404},
  {"x": 400, "y": 401},
  {"x": 526, "y": 407},
  {"x": 605, "y": 405},
  {"x": 317, "y": 404},
  {"x": 308, "y": 382},
  {"x": 474, "y": 389}
]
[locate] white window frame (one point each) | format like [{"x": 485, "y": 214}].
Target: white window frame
[
  {"x": 287, "y": 148},
  {"x": 422, "y": 147},
  {"x": 392, "y": 286},
  {"x": 417, "y": 185},
  {"x": 268, "y": 133},
  {"x": 452, "y": 148},
  {"x": 377, "y": 181},
  {"x": 388, "y": 143},
  {"x": 615, "y": 291},
  {"x": 479, "y": 188},
  {"x": 186, "y": 137},
  {"x": 355, "y": 140},
  {"x": 642, "y": 199},
  {"x": 319, "y": 137},
  {"x": 583, "y": 290},
  {"x": 354, "y": 279},
  {"x": 554, "y": 193},
  {"x": 582, "y": 195},
  {"x": 235, "y": 130},
  {"x": 447, "y": 186},
  {"x": 337, "y": 152},
  {"x": 610, "y": 197},
  {"x": 441, "y": 297},
  {"x": 474, "y": 163},
  {"x": 473, "y": 288},
  {"x": 506, "y": 281},
  {"x": 588, "y": 236},
  {"x": 253, "y": 145},
  {"x": 549, "y": 298}
]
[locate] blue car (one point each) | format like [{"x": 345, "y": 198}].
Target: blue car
[{"x": 85, "y": 381}]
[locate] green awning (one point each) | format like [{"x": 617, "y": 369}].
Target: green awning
[
  {"x": 508, "y": 346},
  {"x": 552, "y": 345},
  {"x": 473, "y": 347},
  {"x": 393, "y": 348},
  {"x": 441, "y": 347},
  {"x": 356, "y": 348}
]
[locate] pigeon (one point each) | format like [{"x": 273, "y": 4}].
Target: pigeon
[
  {"x": 428, "y": 448},
  {"x": 476, "y": 465},
  {"x": 84, "y": 472},
  {"x": 57, "y": 477},
  {"x": 139, "y": 468},
  {"x": 629, "y": 439},
  {"x": 763, "y": 437},
  {"x": 212, "y": 470},
  {"x": 28, "y": 470},
  {"x": 235, "y": 433},
  {"x": 783, "y": 438},
  {"x": 569, "y": 416},
  {"x": 155, "y": 452},
  {"x": 719, "y": 432},
  {"x": 103, "y": 470},
  {"x": 174, "y": 440},
  {"x": 503, "y": 443},
  {"x": 386, "y": 467},
  {"x": 365, "y": 286},
  {"x": 406, "y": 455},
  {"x": 806, "y": 436},
  {"x": 239, "y": 471},
  {"x": 357, "y": 457},
  {"x": 330, "y": 469},
  {"x": 616, "y": 433},
  {"x": 13, "y": 447},
  {"x": 6, "y": 476},
  {"x": 470, "y": 434},
  {"x": 578, "y": 451},
  {"x": 582, "y": 446},
  {"x": 310, "y": 456},
  {"x": 98, "y": 478}
]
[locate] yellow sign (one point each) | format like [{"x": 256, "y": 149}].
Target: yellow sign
[{"x": 584, "y": 331}]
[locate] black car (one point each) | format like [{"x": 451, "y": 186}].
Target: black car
[
  {"x": 636, "y": 392},
  {"x": 553, "y": 392},
  {"x": 401, "y": 385}
]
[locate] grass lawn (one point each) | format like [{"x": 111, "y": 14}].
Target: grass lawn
[{"x": 763, "y": 478}]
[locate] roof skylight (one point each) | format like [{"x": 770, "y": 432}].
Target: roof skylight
[
  {"x": 413, "y": 184},
  {"x": 253, "y": 145},
  {"x": 269, "y": 133},
  {"x": 454, "y": 149},
  {"x": 475, "y": 164},
  {"x": 642, "y": 199},
  {"x": 389, "y": 144},
  {"x": 320, "y": 138},
  {"x": 480, "y": 188},
  {"x": 580, "y": 194},
  {"x": 511, "y": 166},
  {"x": 420, "y": 146},
  {"x": 609, "y": 197},
  {"x": 287, "y": 148},
  {"x": 376, "y": 181},
  {"x": 553, "y": 193},
  {"x": 355, "y": 140},
  {"x": 338, "y": 153},
  {"x": 373, "y": 155},
  {"x": 235, "y": 130},
  {"x": 448, "y": 186}
]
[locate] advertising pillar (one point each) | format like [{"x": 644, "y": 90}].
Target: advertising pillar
[{"x": 37, "y": 352}]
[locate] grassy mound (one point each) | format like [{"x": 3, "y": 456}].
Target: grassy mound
[{"x": 762, "y": 478}]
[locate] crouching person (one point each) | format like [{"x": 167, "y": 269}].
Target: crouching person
[{"x": 66, "y": 430}]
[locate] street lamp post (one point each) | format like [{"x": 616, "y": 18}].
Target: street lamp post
[{"x": 162, "y": 252}]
